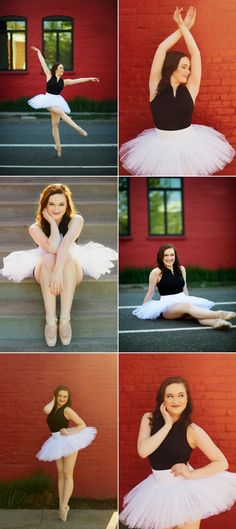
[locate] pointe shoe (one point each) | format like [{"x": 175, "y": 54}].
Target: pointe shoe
[
  {"x": 221, "y": 324},
  {"x": 50, "y": 340},
  {"x": 58, "y": 149},
  {"x": 226, "y": 315},
  {"x": 64, "y": 512},
  {"x": 65, "y": 338},
  {"x": 82, "y": 132}
]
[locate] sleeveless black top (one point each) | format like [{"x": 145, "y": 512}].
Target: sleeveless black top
[
  {"x": 170, "y": 283},
  {"x": 54, "y": 86},
  {"x": 174, "y": 449},
  {"x": 56, "y": 419},
  {"x": 171, "y": 112}
]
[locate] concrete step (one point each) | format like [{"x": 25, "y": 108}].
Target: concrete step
[
  {"x": 80, "y": 345},
  {"x": 92, "y": 211},
  {"x": 82, "y": 188}
]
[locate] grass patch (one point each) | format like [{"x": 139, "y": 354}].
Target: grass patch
[
  {"x": 196, "y": 276},
  {"x": 78, "y": 104}
]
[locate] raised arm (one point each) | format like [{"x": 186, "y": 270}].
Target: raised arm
[
  {"x": 48, "y": 408},
  {"x": 42, "y": 62},
  {"x": 164, "y": 46},
  {"x": 154, "y": 278},
  {"x": 148, "y": 443},
  {"x": 194, "y": 80},
  {"x": 69, "y": 82}
]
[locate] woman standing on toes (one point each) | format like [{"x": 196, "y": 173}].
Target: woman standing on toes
[
  {"x": 175, "y": 303},
  {"x": 175, "y": 147},
  {"x": 176, "y": 495},
  {"x": 53, "y": 101},
  {"x": 64, "y": 443},
  {"x": 58, "y": 263}
]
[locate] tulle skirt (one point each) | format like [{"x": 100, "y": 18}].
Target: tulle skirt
[
  {"x": 153, "y": 309},
  {"x": 163, "y": 501},
  {"x": 196, "y": 150},
  {"x": 49, "y": 100},
  {"x": 94, "y": 258},
  {"x": 58, "y": 445}
]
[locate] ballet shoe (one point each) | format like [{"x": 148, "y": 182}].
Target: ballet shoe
[
  {"x": 226, "y": 315},
  {"x": 221, "y": 324},
  {"x": 64, "y": 512},
  {"x": 50, "y": 340},
  {"x": 58, "y": 150},
  {"x": 65, "y": 339},
  {"x": 82, "y": 132}
]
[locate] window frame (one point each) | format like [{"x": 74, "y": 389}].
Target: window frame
[
  {"x": 165, "y": 190},
  {"x": 16, "y": 18},
  {"x": 58, "y": 18},
  {"x": 128, "y": 234}
]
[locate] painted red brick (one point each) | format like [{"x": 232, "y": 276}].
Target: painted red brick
[
  {"x": 209, "y": 204},
  {"x": 212, "y": 379},
  {"x": 94, "y": 47},
  {"x": 143, "y": 25},
  {"x": 27, "y": 382}
]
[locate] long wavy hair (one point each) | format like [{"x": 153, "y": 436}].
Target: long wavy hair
[
  {"x": 157, "y": 420},
  {"x": 54, "y": 67},
  {"x": 171, "y": 63},
  {"x": 160, "y": 257},
  {"x": 62, "y": 388},
  {"x": 53, "y": 189}
]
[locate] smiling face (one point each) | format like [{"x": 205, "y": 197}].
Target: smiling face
[
  {"x": 62, "y": 398},
  {"x": 60, "y": 70},
  {"x": 175, "y": 399},
  {"x": 182, "y": 72},
  {"x": 169, "y": 257},
  {"x": 56, "y": 206}
]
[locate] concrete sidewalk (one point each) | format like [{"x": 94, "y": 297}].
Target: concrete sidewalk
[{"x": 48, "y": 518}]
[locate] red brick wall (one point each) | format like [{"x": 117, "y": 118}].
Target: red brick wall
[
  {"x": 94, "y": 47},
  {"x": 212, "y": 379},
  {"x": 27, "y": 382},
  {"x": 209, "y": 204},
  {"x": 143, "y": 25}
]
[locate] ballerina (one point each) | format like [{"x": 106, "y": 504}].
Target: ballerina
[
  {"x": 58, "y": 264},
  {"x": 175, "y": 495},
  {"x": 53, "y": 101},
  {"x": 175, "y": 303},
  {"x": 175, "y": 147},
  {"x": 64, "y": 443}
]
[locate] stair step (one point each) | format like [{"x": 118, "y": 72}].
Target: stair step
[
  {"x": 80, "y": 345},
  {"x": 81, "y": 188},
  {"x": 25, "y": 212}
]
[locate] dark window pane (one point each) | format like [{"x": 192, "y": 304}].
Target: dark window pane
[
  {"x": 156, "y": 213},
  {"x": 123, "y": 213},
  {"x": 174, "y": 213},
  {"x": 65, "y": 47},
  {"x": 4, "y": 47}
]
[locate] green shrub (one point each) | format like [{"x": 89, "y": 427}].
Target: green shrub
[
  {"x": 78, "y": 104},
  {"x": 195, "y": 275},
  {"x": 32, "y": 491}
]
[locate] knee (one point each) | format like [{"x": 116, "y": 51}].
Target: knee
[
  {"x": 48, "y": 261},
  {"x": 185, "y": 307},
  {"x": 60, "y": 474},
  {"x": 68, "y": 474}
]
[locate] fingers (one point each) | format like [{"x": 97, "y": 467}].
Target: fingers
[
  {"x": 56, "y": 288},
  {"x": 178, "y": 469}
]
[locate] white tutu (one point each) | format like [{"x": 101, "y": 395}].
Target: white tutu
[
  {"x": 95, "y": 260},
  {"x": 58, "y": 445},
  {"x": 49, "y": 100},
  {"x": 196, "y": 150},
  {"x": 153, "y": 309},
  {"x": 163, "y": 501}
]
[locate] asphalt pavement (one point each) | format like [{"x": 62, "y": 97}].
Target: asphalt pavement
[
  {"x": 174, "y": 336},
  {"x": 45, "y": 519},
  {"x": 27, "y": 148}
]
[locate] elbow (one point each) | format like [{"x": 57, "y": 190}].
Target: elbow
[
  {"x": 225, "y": 464},
  {"x": 141, "y": 452}
]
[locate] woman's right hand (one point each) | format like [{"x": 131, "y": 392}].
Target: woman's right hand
[
  {"x": 47, "y": 216},
  {"x": 34, "y": 48},
  {"x": 190, "y": 17},
  {"x": 166, "y": 416}
]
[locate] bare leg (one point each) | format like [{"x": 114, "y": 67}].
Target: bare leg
[
  {"x": 60, "y": 471},
  {"x": 42, "y": 275},
  {"x": 72, "y": 276},
  {"x": 68, "y": 468},
  {"x": 193, "y": 525},
  {"x": 180, "y": 309},
  {"x": 55, "y": 131},
  {"x": 67, "y": 120}
]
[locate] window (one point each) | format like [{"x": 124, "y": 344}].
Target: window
[
  {"x": 165, "y": 206},
  {"x": 124, "y": 224},
  {"x": 12, "y": 44},
  {"x": 58, "y": 41}
]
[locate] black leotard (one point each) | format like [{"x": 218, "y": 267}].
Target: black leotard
[
  {"x": 174, "y": 449},
  {"x": 54, "y": 86},
  {"x": 170, "y": 283},
  {"x": 171, "y": 112},
  {"x": 56, "y": 419}
]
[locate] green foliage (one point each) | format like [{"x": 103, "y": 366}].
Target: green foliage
[
  {"x": 78, "y": 104},
  {"x": 32, "y": 491},
  {"x": 195, "y": 276}
]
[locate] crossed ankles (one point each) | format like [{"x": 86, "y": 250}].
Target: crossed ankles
[
  {"x": 226, "y": 315},
  {"x": 63, "y": 512},
  {"x": 221, "y": 324}
]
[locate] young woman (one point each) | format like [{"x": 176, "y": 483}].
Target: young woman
[
  {"x": 58, "y": 263},
  {"x": 175, "y": 147},
  {"x": 170, "y": 278},
  {"x": 176, "y": 495},
  {"x": 53, "y": 101},
  {"x": 64, "y": 443}
]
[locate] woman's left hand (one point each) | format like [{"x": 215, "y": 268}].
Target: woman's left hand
[
  {"x": 56, "y": 284},
  {"x": 180, "y": 469},
  {"x": 95, "y": 79},
  {"x": 64, "y": 431},
  {"x": 177, "y": 16}
]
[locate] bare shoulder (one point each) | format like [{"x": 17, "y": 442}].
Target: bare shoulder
[
  {"x": 76, "y": 220},
  {"x": 155, "y": 273},
  {"x": 182, "y": 268},
  {"x": 195, "y": 434},
  {"x": 33, "y": 227},
  {"x": 147, "y": 416}
]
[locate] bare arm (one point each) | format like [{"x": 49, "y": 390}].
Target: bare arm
[
  {"x": 72, "y": 416},
  {"x": 43, "y": 63},
  {"x": 48, "y": 408},
  {"x": 193, "y": 83},
  {"x": 69, "y": 82},
  {"x": 148, "y": 443},
  {"x": 184, "y": 276},
  {"x": 49, "y": 244},
  {"x": 164, "y": 46},
  {"x": 154, "y": 278}
]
